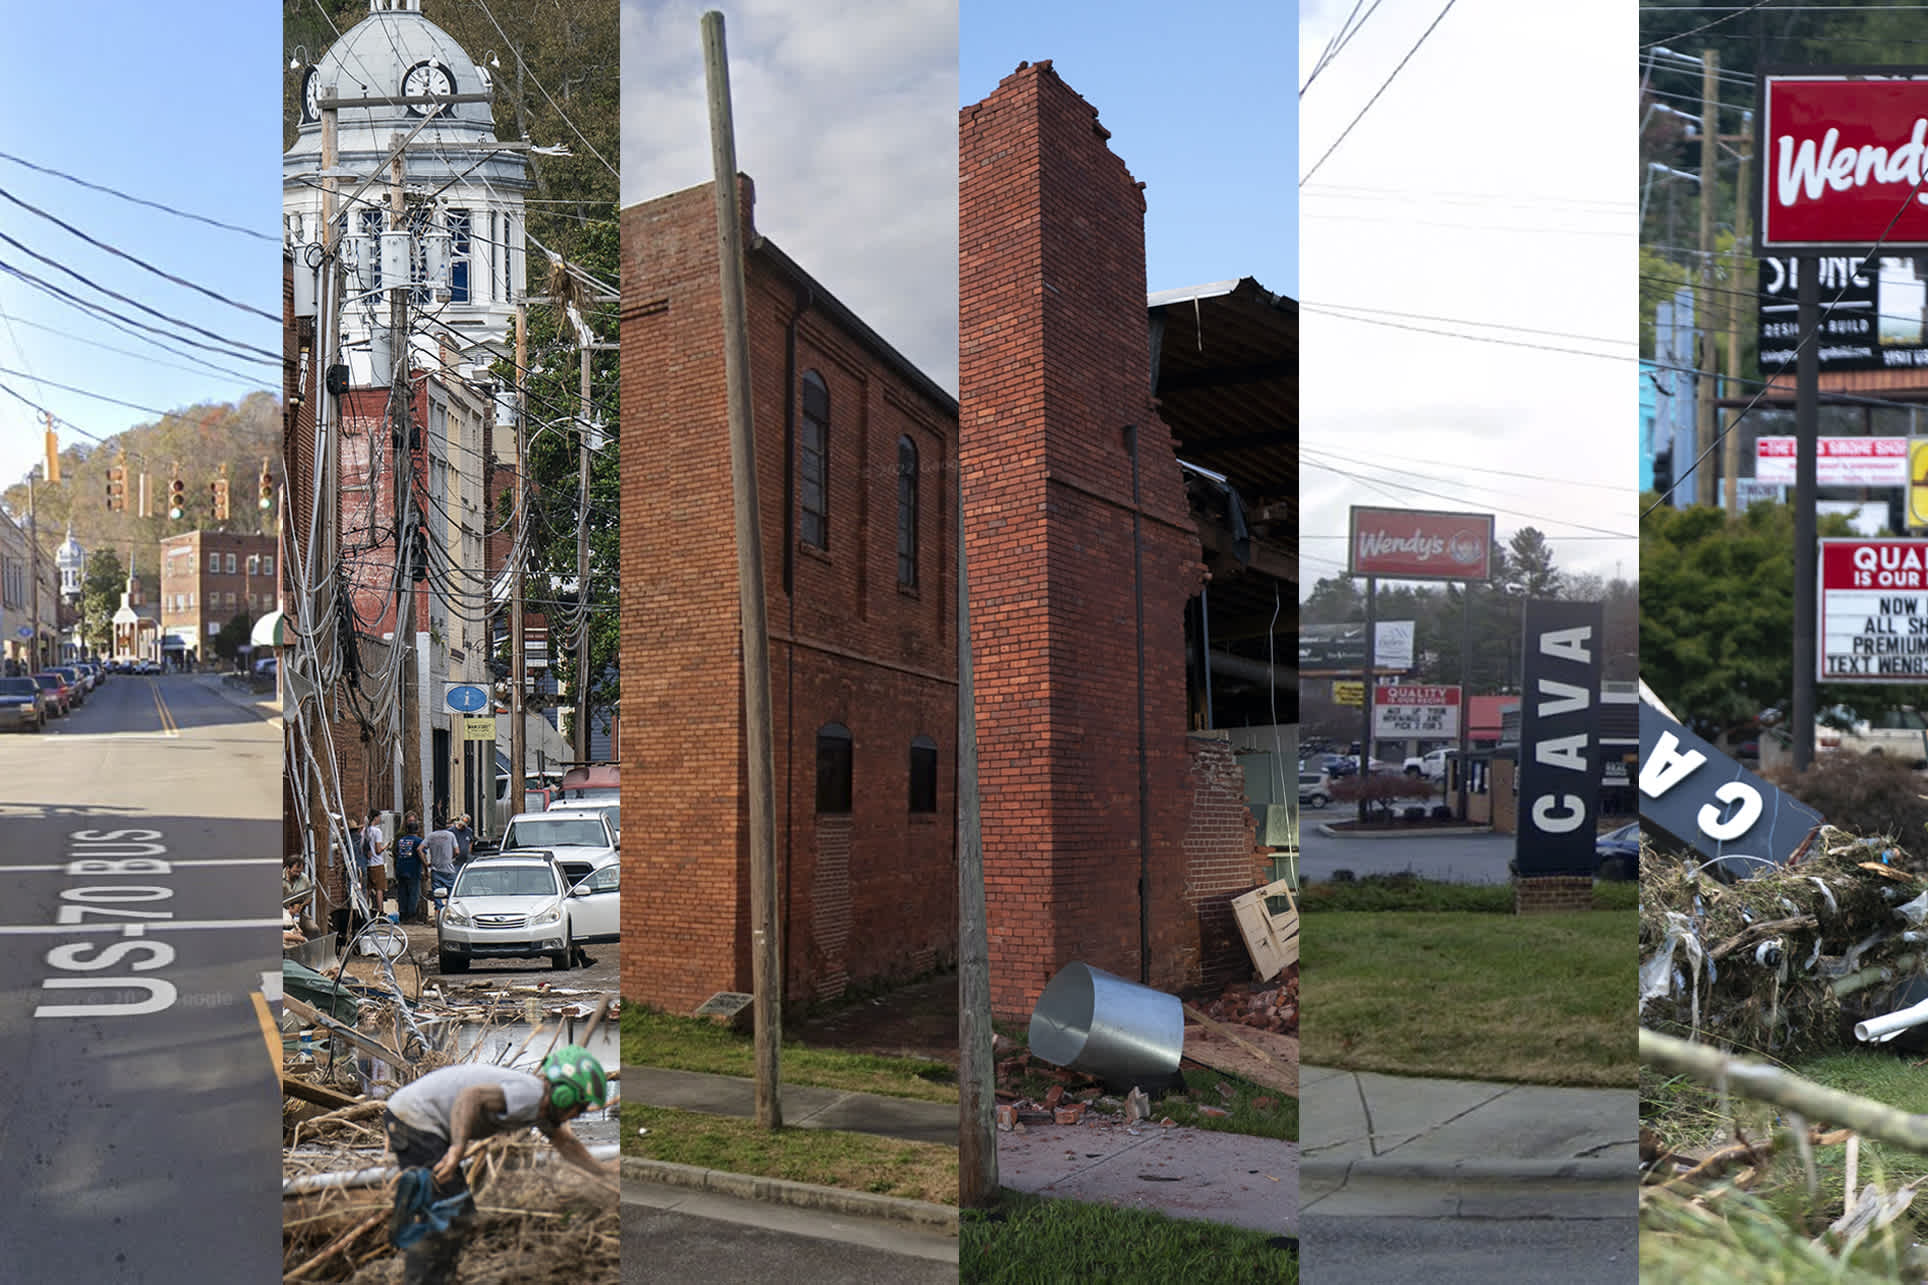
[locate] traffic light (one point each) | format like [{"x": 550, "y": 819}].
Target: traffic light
[
  {"x": 116, "y": 489},
  {"x": 177, "y": 499},
  {"x": 267, "y": 489},
  {"x": 419, "y": 556},
  {"x": 218, "y": 493}
]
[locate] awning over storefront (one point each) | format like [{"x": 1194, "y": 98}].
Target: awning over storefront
[{"x": 272, "y": 630}]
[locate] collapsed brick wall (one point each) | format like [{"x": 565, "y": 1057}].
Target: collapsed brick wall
[
  {"x": 1222, "y": 860},
  {"x": 1054, "y": 358},
  {"x": 865, "y": 897}
]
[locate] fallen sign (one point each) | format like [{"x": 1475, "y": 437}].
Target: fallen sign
[
  {"x": 1271, "y": 939},
  {"x": 1701, "y": 799}
]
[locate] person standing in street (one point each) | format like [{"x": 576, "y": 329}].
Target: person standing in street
[
  {"x": 440, "y": 847},
  {"x": 464, "y": 839},
  {"x": 377, "y": 846},
  {"x": 431, "y": 1122},
  {"x": 408, "y": 868}
]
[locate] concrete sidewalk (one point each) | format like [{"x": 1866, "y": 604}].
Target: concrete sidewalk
[
  {"x": 1418, "y": 832},
  {"x": 266, "y": 708},
  {"x": 1186, "y": 1173},
  {"x": 1406, "y": 1146}
]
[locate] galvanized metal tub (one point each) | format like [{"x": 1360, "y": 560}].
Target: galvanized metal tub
[{"x": 1089, "y": 1020}]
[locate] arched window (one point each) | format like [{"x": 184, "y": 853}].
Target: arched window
[
  {"x": 923, "y": 774},
  {"x": 906, "y": 512},
  {"x": 833, "y": 768},
  {"x": 813, "y": 464}
]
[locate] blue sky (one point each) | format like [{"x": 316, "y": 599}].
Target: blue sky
[
  {"x": 171, "y": 105},
  {"x": 1201, "y": 105}
]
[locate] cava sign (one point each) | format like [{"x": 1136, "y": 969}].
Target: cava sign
[
  {"x": 1699, "y": 798},
  {"x": 1559, "y": 781}
]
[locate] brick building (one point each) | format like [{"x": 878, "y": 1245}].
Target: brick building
[
  {"x": 207, "y": 579},
  {"x": 855, "y": 473},
  {"x": 1112, "y": 835}
]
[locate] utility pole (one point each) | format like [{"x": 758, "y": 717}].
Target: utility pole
[
  {"x": 582, "y": 564},
  {"x": 320, "y": 545},
  {"x": 405, "y": 651},
  {"x": 518, "y": 657},
  {"x": 766, "y": 950},
  {"x": 1706, "y": 360},
  {"x": 33, "y": 572},
  {"x": 1731, "y": 443},
  {"x": 977, "y": 1062}
]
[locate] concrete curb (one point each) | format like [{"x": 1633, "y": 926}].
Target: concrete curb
[
  {"x": 1574, "y": 1173},
  {"x": 803, "y": 1195},
  {"x": 1458, "y": 832},
  {"x": 269, "y": 714}
]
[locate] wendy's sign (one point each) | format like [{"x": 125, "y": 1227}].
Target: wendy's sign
[
  {"x": 1417, "y": 544},
  {"x": 1842, "y": 158}
]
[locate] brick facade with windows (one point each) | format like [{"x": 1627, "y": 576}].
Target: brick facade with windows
[
  {"x": 209, "y": 577},
  {"x": 868, "y": 894},
  {"x": 1055, "y": 393}
]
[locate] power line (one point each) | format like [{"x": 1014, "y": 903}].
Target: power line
[
  {"x": 1406, "y": 488},
  {"x": 1375, "y": 96},
  {"x": 140, "y": 200},
  {"x": 1729, "y": 17}
]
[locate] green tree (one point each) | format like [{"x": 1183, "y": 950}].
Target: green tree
[
  {"x": 233, "y": 636},
  {"x": 100, "y": 597}
]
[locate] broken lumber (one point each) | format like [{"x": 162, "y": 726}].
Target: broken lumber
[
  {"x": 365, "y": 1043},
  {"x": 1271, "y": 940},
  {"x": 318, "y": 1094}
]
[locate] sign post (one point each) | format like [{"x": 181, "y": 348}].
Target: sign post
[{"x": 1559, "y": 778}]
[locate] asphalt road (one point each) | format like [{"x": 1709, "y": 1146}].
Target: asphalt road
[
  {"x": 142, "y": 1127},
  {"x": 673, "y": 1235},
  {"x": 1456, "y": 1251},
  {"x": 1461, "y": 858}
]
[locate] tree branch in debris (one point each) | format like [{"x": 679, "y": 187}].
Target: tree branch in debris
[{"x": 1786, "y": 1090}]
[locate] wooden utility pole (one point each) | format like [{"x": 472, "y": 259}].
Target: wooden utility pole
[
  {"x": 518, "y": 656},
  {"x": 404, "y": 653},
  {"x": 582, "y": 563},
  {"x": 34, "y": 659},
  {"x": 976, "y": 1062},
  {"x": 325, "y": 518},
  {"x": 766, "y": 944},
  {"x": 1731, "y": 443},
  {"x": 1704, "y": 310}
]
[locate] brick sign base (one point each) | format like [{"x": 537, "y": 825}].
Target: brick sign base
[{"x": 1544, "y": 894}]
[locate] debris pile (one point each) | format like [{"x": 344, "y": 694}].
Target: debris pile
[
  {"x": 1788, "y": 960},
  {"x": 1273, "y": 1006}
]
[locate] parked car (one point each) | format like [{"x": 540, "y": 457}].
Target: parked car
[
  {"x": 59, "y": 696},
  {"x": 1432, "y": 765},
  {"x": 505, "y": 906},
  {"x": 76, "y": 683},
  {"x": 1617, "y": 853},
  {"x": 611, "y": 810},
  {"x": 581, "y": 841},
  {"x": 1315, "y": 788},
  {"x": 594, "y": 907},
  {"x": 23, "y": 706}
]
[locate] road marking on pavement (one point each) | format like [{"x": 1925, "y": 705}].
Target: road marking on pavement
[
  {"x": 270, "y": 1032},
  {"x": 171, "y": 925},
  {"x": 197, "y": 861},
  {"x": 168, "y": 725}
]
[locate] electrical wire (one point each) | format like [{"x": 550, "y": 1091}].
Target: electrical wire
[{"x": 1375, "y": 96}]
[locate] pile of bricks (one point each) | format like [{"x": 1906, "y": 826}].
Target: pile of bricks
[{"x": 1269, "y": 1006}]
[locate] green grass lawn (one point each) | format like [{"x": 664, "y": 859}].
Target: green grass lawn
[
  {"x": 1028, "y": 1240},
  {"x": 823, "y": 1157},
  {"x": 652, "y": 1038},
  {"x": 1406, "y": 892},
  {"x": 1529, "y": 999}
]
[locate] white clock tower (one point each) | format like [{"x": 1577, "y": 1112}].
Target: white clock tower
[{"x": 458, "y": 180}]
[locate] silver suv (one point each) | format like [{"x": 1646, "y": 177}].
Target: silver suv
[{"x": 506, "y": 906}]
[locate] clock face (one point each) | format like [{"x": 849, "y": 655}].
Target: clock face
[
  {"x": 427, "y": 78},
  {"x": 311, "y": 96}
]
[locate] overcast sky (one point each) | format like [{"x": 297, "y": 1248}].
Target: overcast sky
[
  {"x": 1493, "y": 182},
  {"x": 182, "y": 112},
  {"x": 846, "y": 118}
]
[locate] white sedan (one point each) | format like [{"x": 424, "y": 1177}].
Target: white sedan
[{"x": 594, "y": 907}]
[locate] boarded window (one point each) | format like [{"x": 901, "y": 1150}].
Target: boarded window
[
  {"x": 833, "y": 768},
  {"x": 923, "y": 775}
]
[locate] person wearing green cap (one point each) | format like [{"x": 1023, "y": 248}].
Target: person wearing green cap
[{"x": 432, "y": 1120}]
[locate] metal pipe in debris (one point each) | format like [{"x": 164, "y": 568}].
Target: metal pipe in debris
[
  {"x": 375, "y": 1177},
  {"x": 1877, "y": 1030}
]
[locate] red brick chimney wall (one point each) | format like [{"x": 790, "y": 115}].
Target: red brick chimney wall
[{"x": 1054, "y": 365}]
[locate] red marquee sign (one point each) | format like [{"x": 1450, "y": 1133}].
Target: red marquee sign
[
  {"x": 1842, "y": 158},
  {"x": 1415, "y": 544}
]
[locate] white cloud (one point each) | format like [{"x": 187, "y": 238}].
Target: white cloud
[{"x": 846, "y": 118}]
